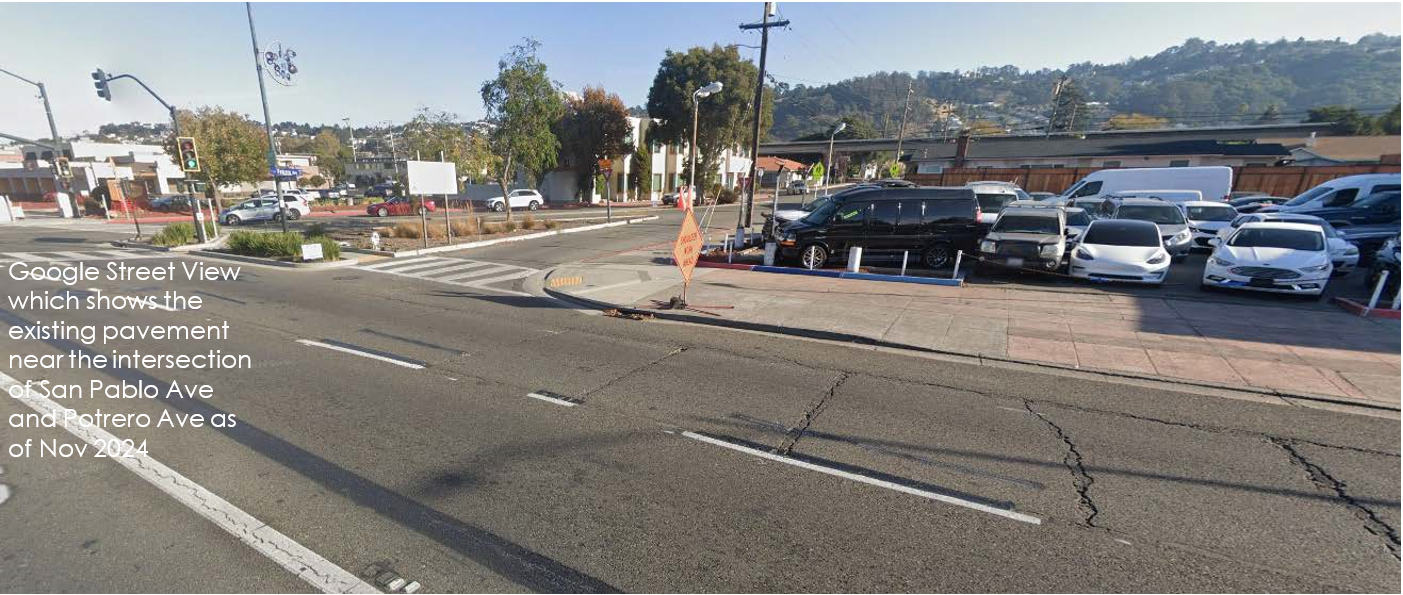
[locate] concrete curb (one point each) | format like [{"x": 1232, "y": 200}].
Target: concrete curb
[
  {"x": 1354, "y": 306},
  {"x": 335, "y": 264},
  {"x": 186, "y": 248},
  {"x": 758, "y": 268},
  {"x": 508, "y": 239},
  {"x": 862, "y": 340}
]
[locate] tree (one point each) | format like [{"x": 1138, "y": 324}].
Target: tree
[
  {"x": 433, "y": 133},
  {"x": 640, "y": 174},
  {"x": 1271, "y": 115},
  {"x": 1347, "y": 120},
  {"x": 522, "y": 103},
  {"x": 233, "y": 149},
  {"x": 1134, "y": 121},
  {"x": 331, "y": 154},
  {"x": 595, "y": 127},
  {"x": 724, "y": 118},
  {"x": 1069, "y": 109},
  {"x": 1389, "y": 122},
  {"x": 316, "y": 180}
]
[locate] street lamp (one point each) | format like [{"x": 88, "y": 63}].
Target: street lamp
[
  {"x": 352, "y": 131},
  {"x": 828, "y": 172},
  {"x": 697, "y": 95}
]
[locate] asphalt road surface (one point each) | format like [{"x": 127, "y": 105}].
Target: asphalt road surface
[{"x": 477, "y": 439}]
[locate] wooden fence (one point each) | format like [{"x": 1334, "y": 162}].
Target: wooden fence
[{"x": 1275, "y": 181}]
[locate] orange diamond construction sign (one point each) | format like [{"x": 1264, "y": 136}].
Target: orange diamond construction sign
[{"x": 687, "y": 248}]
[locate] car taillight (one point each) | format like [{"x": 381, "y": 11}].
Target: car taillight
[{"x": 978, "y": 213}]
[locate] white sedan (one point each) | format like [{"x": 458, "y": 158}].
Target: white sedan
[
  {"x": 1206, "y": 218},
  {"x": 1343, "y": 254},
  {"x": 517, "y": 199},
  {"x": 1125, "y": 250},
  {"x": 1274, "y": 257}
]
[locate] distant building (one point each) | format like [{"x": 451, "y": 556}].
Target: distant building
[{"x": 92, "y": 164}]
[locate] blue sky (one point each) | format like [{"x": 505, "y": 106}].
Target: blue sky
[{"x": 372, "y": 62}]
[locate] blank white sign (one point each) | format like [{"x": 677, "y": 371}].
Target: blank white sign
[{"x": 432, "y": 177}]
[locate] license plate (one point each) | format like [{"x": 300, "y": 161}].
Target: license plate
[
  {"x": 1015, "y": 262},
  {"x": 1259, "y": 282}
]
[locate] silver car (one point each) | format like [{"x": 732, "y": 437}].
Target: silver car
[{"x": 1173, "y": 227}]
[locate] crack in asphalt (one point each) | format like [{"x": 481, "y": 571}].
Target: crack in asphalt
[
  {"x": 1072, "y": 459},
  {"x": 1325, "y": 482},
  {"x": 793, "y": 435},
  {"x": 636, "y": 370}
]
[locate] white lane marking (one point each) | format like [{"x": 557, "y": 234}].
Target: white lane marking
[
  {"x": 1008, "y": 514},
  {"x": 24, "y": 256},
  {"x": 466, "y": 265},
  {"x": 148, "y": 300},
  {"x": 478, "y": 273},
  {"x": 4, "y": 489},
  {"x": 282, "y": 550},
  {"x": 392, "y": 262},
  {"x": 77, "y": 256},
  {"x": 507, "y": 277},
  {"x": 551, "y": 399},
  {"x": 376, "y": 356},
  {"x": 418, "y": 264}
]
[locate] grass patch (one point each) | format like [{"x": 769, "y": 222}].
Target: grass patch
[
  {"x": 279, "y": 245},
  {"x": 180, "y": 234}
]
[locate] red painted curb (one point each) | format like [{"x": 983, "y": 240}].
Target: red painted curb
[{"x": 1356, "y": 307}]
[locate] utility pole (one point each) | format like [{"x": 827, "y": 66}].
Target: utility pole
[
  {"x": 352, "y": 132},
  {"x": 1056, "y": 97},
  {"x": 764, "y": 26},
  {"x": 267, "y": 120},
  {"x": 901, "y": 132},
  {"x": 59, "y": 183}
]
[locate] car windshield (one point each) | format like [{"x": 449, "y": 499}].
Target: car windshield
[
  {"x": 1078, "y": 217},
  {"x": 1306, "y": 196},
  {"x": 1118, "y": 235},
  {"x": 993, "y": 203},
  {"x": 821, "y": 214},
  {"x": 1163, "y": 214},
  {"x": 1289, "y": 239},
  {"x": 811, "y": 207},
  {"x": 1026, "y": 224},
  {"x": 1213, "y": 213}
]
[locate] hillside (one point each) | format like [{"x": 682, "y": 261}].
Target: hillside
[{"x": 1197, "y": 83}]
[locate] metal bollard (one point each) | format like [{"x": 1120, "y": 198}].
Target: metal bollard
[
  {"x": 728, "y": 248},
  {"x": 1378, "y": 289},
  {"x": 904, "y": 254},
  {"x": 854, "y": 259},
  {"x": 958, "y": 255},
  {"x": 770, "y": 249}
]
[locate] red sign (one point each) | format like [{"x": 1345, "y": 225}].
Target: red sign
[{"x": 687, "y": 248}]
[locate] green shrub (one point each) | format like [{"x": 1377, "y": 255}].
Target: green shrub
[
  {"x": 179, "y": 234},
  {"x": 727, "y": 196},
  {"x": 282, "y": 246}
]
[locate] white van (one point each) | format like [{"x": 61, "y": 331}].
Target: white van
[
  {"x": 1213, "y": 182},
  {"x": 1339, "y": 192}
]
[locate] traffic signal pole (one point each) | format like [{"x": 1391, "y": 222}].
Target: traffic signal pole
[
  {"x": 267, "y": 120},
  {"x": 59, "y": 183}
]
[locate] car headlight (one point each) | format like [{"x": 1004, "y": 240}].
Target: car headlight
[
  {"x": 1050, "y": 250},
  {"x": 1316, "y": 268},
  {"x": 1084, "y": 255},
  {"x": 1181, "y": 236},
  {"x": 1215, "y": 261},
  {"x": 988, "y": 246},
  {"x": 1352, "y": 250},
  {"x": 1156, "y": 259}
]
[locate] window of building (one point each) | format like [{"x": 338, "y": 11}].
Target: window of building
[
  {"x": 1179, "y": 163},
  {"x": 658, "y": 182}
]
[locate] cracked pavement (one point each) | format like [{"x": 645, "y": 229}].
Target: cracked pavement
[{"x": 453, "y": 478}]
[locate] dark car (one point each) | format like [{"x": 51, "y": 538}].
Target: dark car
[
  {"x": 1367, "y": 222},
  {"x": 170, "y": 203},
  {"x": 1386, "y": 259},
  {"x": 889, "y": 183},
  {"x": 1250, "y": 204},
  {"x": 382, "y": 190},
  {"x": 931, "y": 222},
  {"x": 399, "y": 205}
]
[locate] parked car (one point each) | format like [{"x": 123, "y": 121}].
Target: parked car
[
  {"x": 381, "y": 190},
  {"x": 1042, "y": 196},
  {"x": 1026, "y": 237},
  {"x": 299, "y": 203},
  {"x": 1213, "y": 182},
  {"x": 1275, "y": 257},
  {"x": 1094, "y": 207},
  {"x": 1205, "y": 219},
  {"x": 170, "y": 203},
  {"x": 797, "y": 187},
  {"x": 1169, "y": 217},
  {"x": 1343, "y": 254},
  {"x": 1340, "y": 192},
  {"x": 1385, "y": 259},
  {"x": 253, "y": 210},
  {"x": 931, "y": 222},
  {"x": 329, "y": 193},
  {"x": 518, "y": 199},
  {"x": 1010, "y": 185},
  {"x": 1378, "y": 212},
  {"x": 399, "y": 205},
  {"x": 889, "y": 183},
  {"x": 993, "y": 197},
  {"x": 1077, "y": 220},
  {"x": 1123, "y": 250},
  {"x": 1251, "y": 204}
]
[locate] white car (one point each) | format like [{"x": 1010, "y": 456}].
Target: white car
[
  {"x": 1343, "y": 254},
  {"x": 1124, "y": 250},
  {"x": 1275, "y": 257},
  {"x": 993, "y": 197},
  {"x": 518, "y": 199},
  {"x": 298, "y": 205},
  {"x": 1206, "y": 218}
]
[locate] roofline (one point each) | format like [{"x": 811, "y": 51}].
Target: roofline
[{"x": 1091, "y": 133}]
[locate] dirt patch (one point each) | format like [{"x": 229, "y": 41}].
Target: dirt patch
[{"x": 409, "y": 235}]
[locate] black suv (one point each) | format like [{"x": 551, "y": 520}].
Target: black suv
[{"x": 931, "y": 222}]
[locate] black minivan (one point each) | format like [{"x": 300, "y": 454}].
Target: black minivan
[{"x": 930, "y": 222}]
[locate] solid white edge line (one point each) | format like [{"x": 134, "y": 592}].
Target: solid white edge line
[
  {"x": 382, "y": 358},
  {"x": 1008, "y": 514},
  {"x": 551, "y": 399},
  {"x": 282, "y": 550}
]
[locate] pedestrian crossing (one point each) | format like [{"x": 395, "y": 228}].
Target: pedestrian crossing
[
  {"x": 77, "y": 255},
  {"x": 462, "y": 272}
]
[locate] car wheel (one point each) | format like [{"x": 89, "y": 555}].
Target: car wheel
[
  {"x": 499, "y": 207},
  {"x": 814, "y": 256},
  {"x": 277, "y": 217},
  {"x": 231, "y": 220},
  {"x": 534, "y": 205},
  {"x": 294, "y": 215},
  {"x": 382, "y": 212},
  {"x": 938, "y": 256}
]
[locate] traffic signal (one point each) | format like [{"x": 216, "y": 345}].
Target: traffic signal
[
  {"x": 189, "y": 157},
  {"x": 100, "y": 82},
  {"x": 61, "y": 168}
]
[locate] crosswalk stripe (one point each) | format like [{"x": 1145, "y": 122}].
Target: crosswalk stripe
[
  {"x": 468, "y": 265},
  {"x": 24, "y": 256},
  {"x": 77, "y": 255},
  {"x": 403, "y": 265},
  {"x": 478, "y": 273},
  {"x": 516, "y": 275}
]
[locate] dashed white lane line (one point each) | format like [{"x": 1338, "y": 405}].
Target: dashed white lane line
[
  {"x": 351, "y": 351},
  {"x": 282, "y": 550},
  {"x": 1008, "y": 514},
  {"x": 551, "y": 399}
]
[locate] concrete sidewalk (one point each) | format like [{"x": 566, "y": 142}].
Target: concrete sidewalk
[{"x": 1269, "y": 348}]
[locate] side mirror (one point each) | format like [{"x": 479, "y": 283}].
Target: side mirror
[{"x": 1213, "y": 242}]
